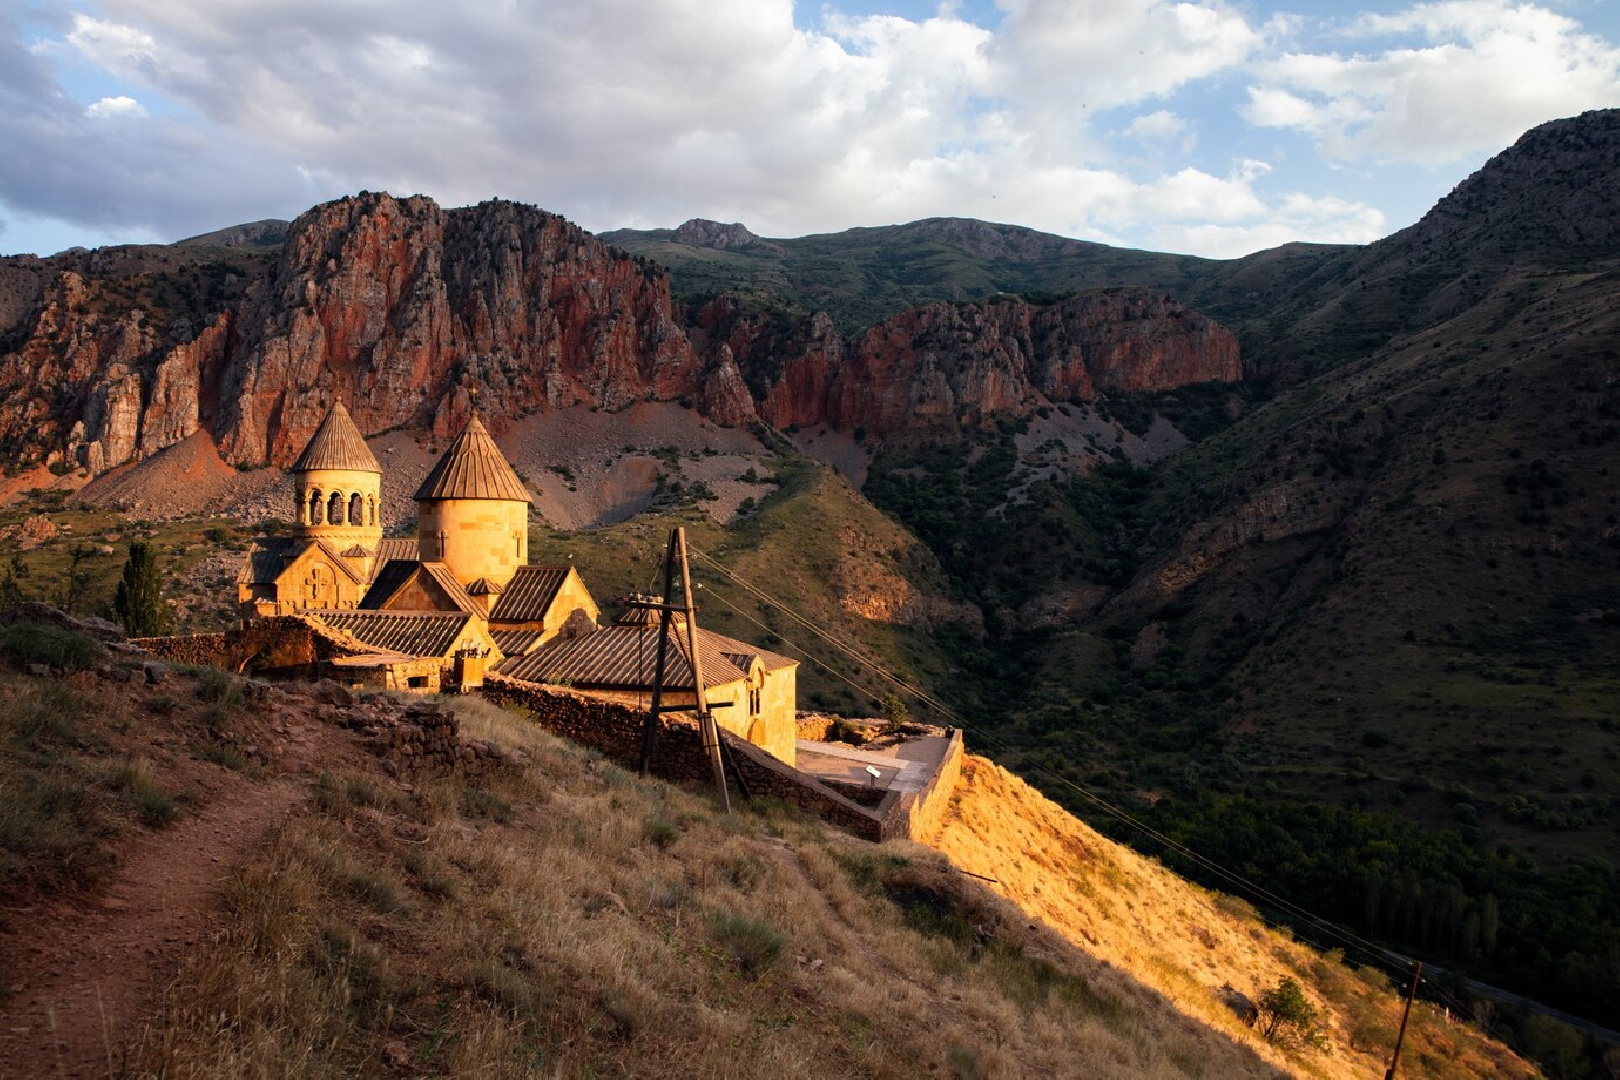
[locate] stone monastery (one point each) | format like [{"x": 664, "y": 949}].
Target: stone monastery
[{"x": 437, "y": 610}]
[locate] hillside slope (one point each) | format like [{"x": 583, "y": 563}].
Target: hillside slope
[
  {"x": 560, "y": 915},
  {"x": 1185, "y": 942}
]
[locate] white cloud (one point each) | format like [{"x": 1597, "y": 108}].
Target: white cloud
[
  {"x": 1322, "y": 220},
  {"x": 1162, "y": 124},
  {"x": 1479, "y": 73},
  {"x": 113, "y": 107},
  {"x": 648, "y": 111},
  {"x": 644, "y": 112}
]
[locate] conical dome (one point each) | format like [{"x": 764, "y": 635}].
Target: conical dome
[
  {"x": 473, "y": 468},
  {"x": 337, "y": 444}
]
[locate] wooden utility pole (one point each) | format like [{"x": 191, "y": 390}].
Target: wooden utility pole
[
  {"x": 649, "y": 732},
  {"x": 710, "y": 730},
  {"x": 706, "y": 723},
  {"x": 1400, "y": 1036}
]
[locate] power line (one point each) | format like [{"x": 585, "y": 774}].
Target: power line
[{"x": 1254, "y": 890}]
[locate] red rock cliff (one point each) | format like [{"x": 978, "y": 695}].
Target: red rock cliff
[
  {"x": 395, "y": 303},
  {"x": 397, "y": 306},
  {"x": 943, "y": 362}
]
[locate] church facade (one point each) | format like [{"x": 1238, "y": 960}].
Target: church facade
[{"x": 439, "y": 609}]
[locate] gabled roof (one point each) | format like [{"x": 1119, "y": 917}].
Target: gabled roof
[
  {"x": 337, "y": 444},
  {"x": 484, "y": 587},
  {"x": 389, "y": 580},
  {"x": 415, "y": 633},
  {"x": 394, "y": 547},
  {"x": 400, "y": 573},
  {"x": 626, "y": 658},
  {"x": 515, "y": 642},
  {"x": 740, "y": 653},
  {"x": 270, "y": 556},
  {"x": 473, "y": 468},
  {"x": 528, "y": 596},
  {"x": 446, "y": 580}
]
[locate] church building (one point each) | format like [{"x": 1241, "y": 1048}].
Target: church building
[{"x": 437, "y": 610}]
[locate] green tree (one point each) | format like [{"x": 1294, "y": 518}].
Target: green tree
[
  {"x": 895, "y": 711},
  {"x": 75, "y": 582},
  {"x": 139, "y": 601},
  {"x": 1287, "y": 1015},
  {"x": 12, "y": 592}
]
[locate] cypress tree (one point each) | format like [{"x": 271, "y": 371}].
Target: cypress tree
[{"x": 139, "y": 601}]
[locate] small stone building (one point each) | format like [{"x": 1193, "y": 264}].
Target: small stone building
[{"x": 752, "y": 692}]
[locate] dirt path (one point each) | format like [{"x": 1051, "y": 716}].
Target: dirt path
[{"x": 85, "y": 974}]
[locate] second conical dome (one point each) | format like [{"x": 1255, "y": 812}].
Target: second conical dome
[{"x": 473, "y": 468}]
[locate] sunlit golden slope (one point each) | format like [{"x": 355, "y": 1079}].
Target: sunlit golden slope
[{"x": 1187, "y": 942}]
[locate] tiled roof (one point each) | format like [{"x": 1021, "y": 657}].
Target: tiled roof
[
  {"x": 415, "y": 633},
  {"x": 337, "y": 444},
  {"x": 623, "y": 658},
  {"x": 484, "y": 587},
  {"x": 267, "y": 558},
  {"x": 389, "y": 580},
  {"x": 529, "y": 594},
  {"x": 740, "y": 652},
  {"x": 399, "y": 573},
  {"x": 515, "y": 642},
  {"x": 395, "y": 547},
  {"x": 452, "y": 588},
  {"x": 473, "y": 468},
  {"x": 270, "y": 555}
]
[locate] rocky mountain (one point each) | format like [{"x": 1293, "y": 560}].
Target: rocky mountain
[
  {"x": 958, "y": 363},
  {"x": 266, "y": 233},
  {"x": 398, "y": 306}
]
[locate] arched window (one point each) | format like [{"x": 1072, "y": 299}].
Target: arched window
[
  {"x": 371, "y": 509},
  {"x": 517, "y": 545},
  {"x": 357, "y": 509},
  {"x": 315, "y": 506},
  {"x": 334, "y": 509}
]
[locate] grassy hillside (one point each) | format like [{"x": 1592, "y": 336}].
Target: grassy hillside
[
  {"x": 566, "y": 918},
  {"x": 862, "y": 276},
  {"x": 813, "y": 544}
]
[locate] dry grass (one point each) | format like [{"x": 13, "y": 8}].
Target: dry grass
[
  {"x": 612, "y": 926},
  {"x": 1186, "y": 942}
]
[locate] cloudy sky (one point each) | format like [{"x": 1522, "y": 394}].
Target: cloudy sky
[{"x": 1205, "y": 127}]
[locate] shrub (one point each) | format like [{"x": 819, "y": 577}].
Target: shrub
[
  {"x": 152, "y": 805},
  {"x": 39, "y": 643},
  {"x": 661, "y": 834},
  {"x": 753, "y": 945},
  {"x": 219, "y": 688},
  {"x": 1287, "y": 1015}
]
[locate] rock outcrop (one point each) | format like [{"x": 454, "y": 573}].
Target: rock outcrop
[
  {"x": 395, "y": 304},
  {"x": 735, "y": 236},
  {"x": 953, "y": 362},
  {"x": 399, "y": 307}
]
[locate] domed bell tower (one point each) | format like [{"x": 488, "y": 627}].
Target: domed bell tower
[{"x": 338, "y": 485}]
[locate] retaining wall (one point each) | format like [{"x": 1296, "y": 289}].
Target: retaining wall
[
  {"x": 615, "y": 731},
  {"x": 925, "y": 813}
]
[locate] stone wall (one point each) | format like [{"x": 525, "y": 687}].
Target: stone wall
[
  {"x": 285, "y": 646},
  {"x": 423, "y": 736},
  {"x": 212, "y": 650},
  {"x": 924, "y": 814},
  {"x": 814, "y": 726},
  {"x": 615, "y": 731}
]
